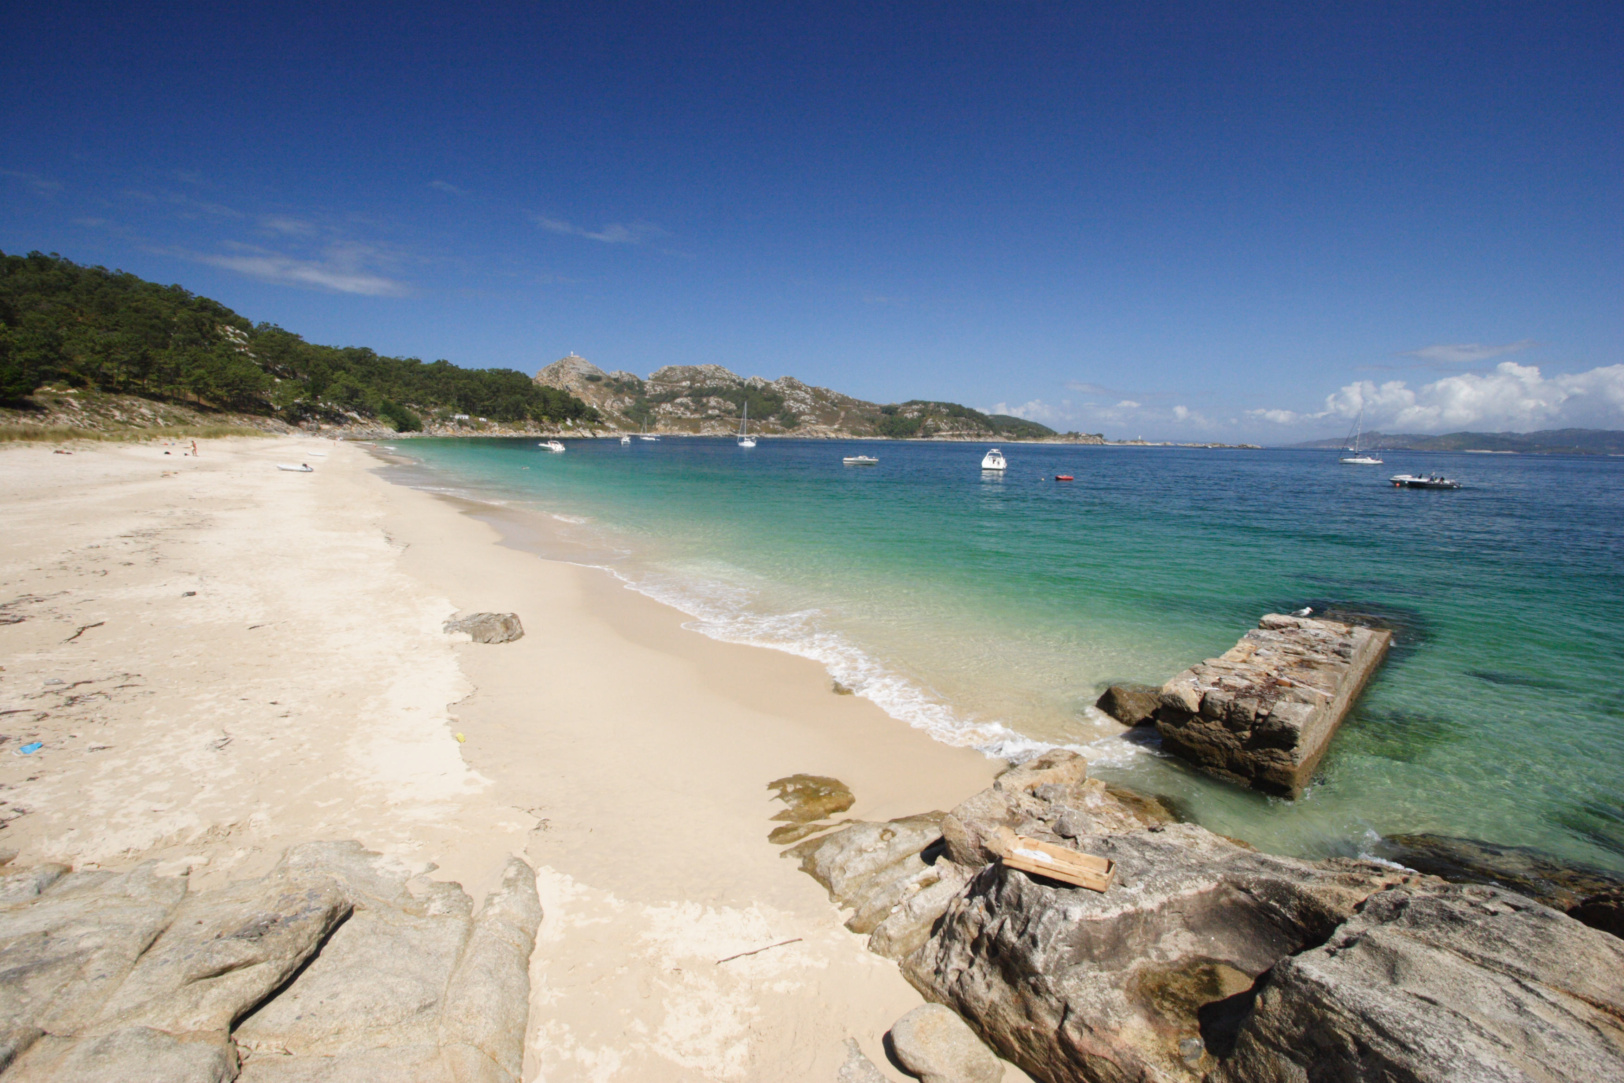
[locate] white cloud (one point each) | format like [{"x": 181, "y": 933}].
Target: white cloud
[
  {"x": 1127, "y": 404},
  {"x": 1512, "y": 397},
  {"x": 1036, "y": 410},
  {"x": 1087, "y": 388},
  {"x": 343, "y": 268},
  {"x": 447, "y": 187},
  {"x": 1466, "y": 353},
  {"x": 613, "y": 233}
]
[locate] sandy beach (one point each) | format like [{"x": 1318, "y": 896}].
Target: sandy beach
[{"x": 220, "y": 659}]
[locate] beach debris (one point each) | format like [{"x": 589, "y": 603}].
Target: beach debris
[
  {"x": 460, "y": 738},
  {"x": 841, "y": 690},
  {"x": 758, "y": 951},
  {"x": 328, "y": 967},
  {"x": 1057, "y": 862},
  {"x": 188, "y": 594},
  {"x": 857, "y": 1068},
  {"x": 811, "y": 797},
  {"x": 1263, "y": 713},
  {"x": 487, "y": 627},
  {"x": 83, "y": 628},
  {"x": 30, "y": 748},
  {"x": 933, "y": 1043}
]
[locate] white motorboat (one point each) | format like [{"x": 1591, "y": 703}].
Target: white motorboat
[
  {"x": 860, "y": 460},
  {"x": 1423, "y": 481},
  {"x": 1360, "y": 457},
  {"x": 552, "y": 445},
  {"x": 625, "y": 441},
  {"x": 745, "y": 439},
  {"x": 994, "y": 460}
]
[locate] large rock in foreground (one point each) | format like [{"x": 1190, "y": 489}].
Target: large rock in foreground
[
  {"x": 332, "y": 967},
  {"x": 1134, "y": 983},
  {"x": 1262, "y": 714},
  {"x": 1442, "y": 983}
]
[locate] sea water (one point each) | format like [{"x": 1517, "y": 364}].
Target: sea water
[{"x": 991, "y": 609}]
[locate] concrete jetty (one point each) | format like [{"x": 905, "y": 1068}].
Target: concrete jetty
[{"x": 1262, "y": 713}]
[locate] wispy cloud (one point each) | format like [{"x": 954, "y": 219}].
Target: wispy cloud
[
  {"x": 446, "y": 187},
  {"x": 287, "y": 226},
  {"x": 1466, "y": 353},
  {"x": 44, "y": 186},
  {"x": 1089, "y": 389},
  {"x": 342, "y": 268},
  {"x": 613, "y": 233}
]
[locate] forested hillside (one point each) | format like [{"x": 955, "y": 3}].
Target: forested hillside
[{"x": 61, "y": 323}]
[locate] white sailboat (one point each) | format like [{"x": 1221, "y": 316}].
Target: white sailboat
[
  {"x": 745, "y": 439},
  {"x": 1359, "y": 457},
  {"x": 994, "y": 460},
  {"x": 625, "y": 441}
]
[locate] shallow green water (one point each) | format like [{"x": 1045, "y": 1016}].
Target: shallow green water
[{"x": 992, "y": 610}]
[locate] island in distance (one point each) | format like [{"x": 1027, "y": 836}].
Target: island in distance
[{"x": 708, "y": 400}]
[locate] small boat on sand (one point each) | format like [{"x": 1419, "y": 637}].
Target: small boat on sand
[
  {"x": 552, "y": 445},
  {"x": 860, "y": 460},
  {"x": 994, "y": 460},
  {"x": 1423, "y": 481},
  {"x": 297, "y": 468}
]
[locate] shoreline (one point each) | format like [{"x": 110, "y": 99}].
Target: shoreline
[{"x": 624, "y": 756}]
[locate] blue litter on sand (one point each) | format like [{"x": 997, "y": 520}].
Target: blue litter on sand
[{"x": 31, "y": 747}]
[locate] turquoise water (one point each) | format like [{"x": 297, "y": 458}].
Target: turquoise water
[{"x": 992, "y": 610}]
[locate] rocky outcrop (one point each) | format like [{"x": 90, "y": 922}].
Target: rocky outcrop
[
  {"x": 937, "y": 1046},
  {"x": 1050, "y": 798},
  {"x": 1131, "y": 704},
  {"x": 1263, "y": 713},
  {"x": 1072, "y": 983},
  {"x": 1591, "y": 895},
  {"x": 488, "y": 627},
  {"x": 331, "y": 967},
  {"x": 898, "y": 877},
  {"x": 1442, "y": 983},
  {"x": 1207, "y": 960}
]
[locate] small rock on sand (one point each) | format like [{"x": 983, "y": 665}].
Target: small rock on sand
[
  {"x": 488, "y": 627},
  {"x": 933, "y": 1043}
]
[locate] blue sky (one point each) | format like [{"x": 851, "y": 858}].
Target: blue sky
[{"x": 1203, "y": 220}]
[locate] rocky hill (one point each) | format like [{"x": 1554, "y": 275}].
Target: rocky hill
[{"x": 709, "y": 400}]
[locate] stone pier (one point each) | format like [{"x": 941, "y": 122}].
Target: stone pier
[{"x": 1262, "y": 713}]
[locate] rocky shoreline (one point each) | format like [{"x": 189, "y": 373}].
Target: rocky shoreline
[{"x": 1207, "y": 960}]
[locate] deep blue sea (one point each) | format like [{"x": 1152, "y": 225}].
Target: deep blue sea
[{"x": 991, "y": 610}]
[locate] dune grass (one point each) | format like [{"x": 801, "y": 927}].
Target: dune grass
[{"x": 62, "y": 433}]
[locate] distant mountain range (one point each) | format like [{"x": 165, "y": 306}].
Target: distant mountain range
[
  {"x": 1545, "y": 442},
  {"x": 710, "y": 400}
]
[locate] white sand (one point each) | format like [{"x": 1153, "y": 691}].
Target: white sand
[{"x": 306, "y": 691}]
